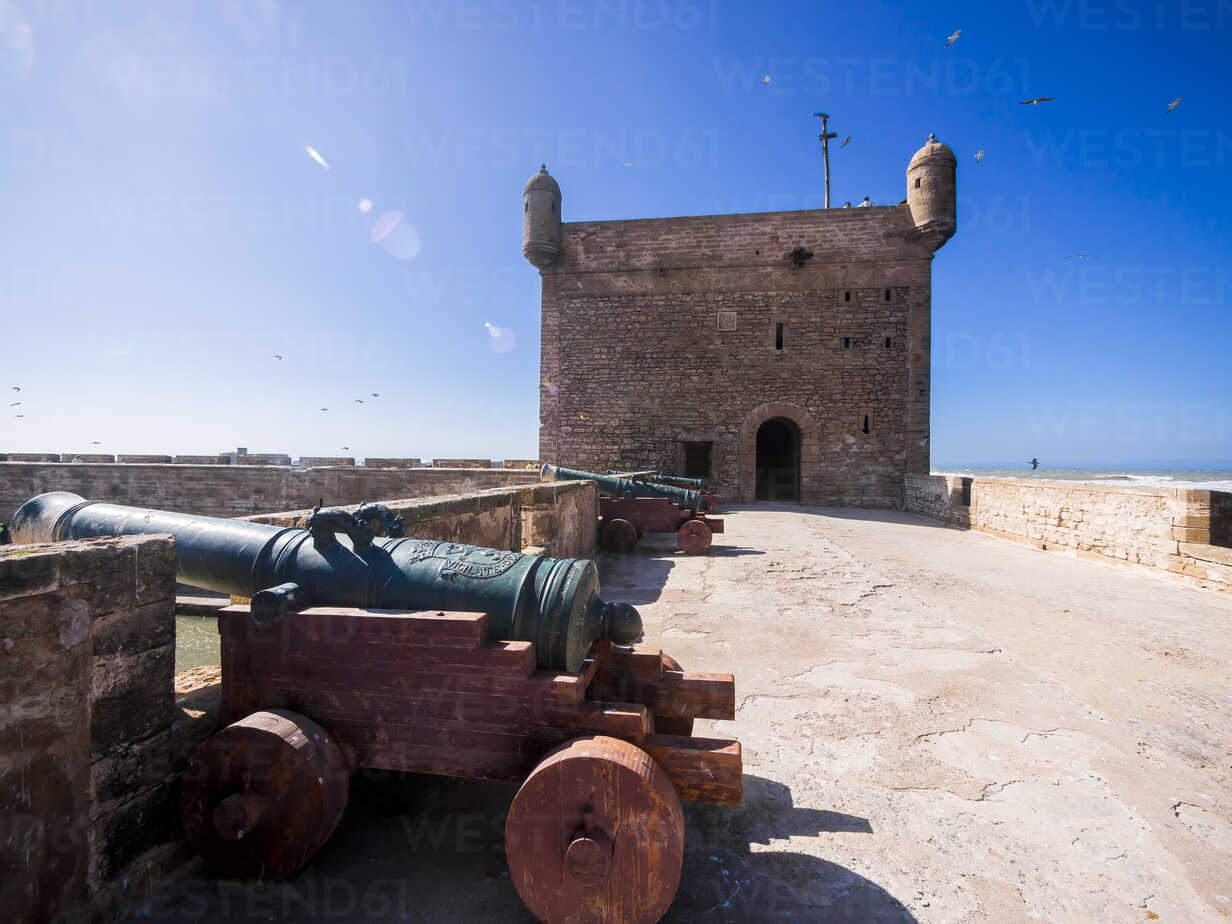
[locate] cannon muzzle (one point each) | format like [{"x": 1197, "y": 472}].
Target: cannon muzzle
[
  {"x": 338, "y": 561},
  {"x": 612, "y": 486}
]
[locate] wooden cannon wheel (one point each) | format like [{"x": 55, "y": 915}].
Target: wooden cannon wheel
[
  {"x": 596, "y": 833},
  {"x": 618, "y": 535},
  {"x": 693, "y": 538},
  {"x": 261, "y": 796}
]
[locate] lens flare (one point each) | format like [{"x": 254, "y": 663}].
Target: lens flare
[
  {"x": 398, "y": 238},
  {"x": 500, "y": 339},
  {"x": 312, "y": 152}
]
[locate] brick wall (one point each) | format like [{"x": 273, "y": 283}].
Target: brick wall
[
  {"x": 91, "y": 734},
  {"x": 1180, "y": 531},
  {"x": 229, "y": 491},
  {"x": 635, "y": 364}
]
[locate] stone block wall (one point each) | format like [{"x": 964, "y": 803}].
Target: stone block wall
[
  {"x": 662, "y": 332},
  {"x": 91, "y": 734},
  {"x": 1180, "y": 531},
  {"x": 239, "y": 490}
]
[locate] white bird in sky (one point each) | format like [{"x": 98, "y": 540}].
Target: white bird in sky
[
  {"x": 1172, "y": 105},
  {"x": 954, "y": 38},
  {"x": 766, "y": 79},
  {"x": 312, "y": 152},
  {"x": 1081, "y": 256},
  {"x": 979, "y": 155}
]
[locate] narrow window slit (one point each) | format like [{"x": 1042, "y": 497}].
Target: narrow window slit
[{"x": 778, "y": 335}]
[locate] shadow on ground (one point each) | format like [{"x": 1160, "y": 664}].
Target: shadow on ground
[{"x": 424, "y": 848}]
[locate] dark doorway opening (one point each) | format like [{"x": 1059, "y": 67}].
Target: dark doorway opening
[
  {"x": 778, "y": 460},
  {"x": 698, "y": 460}
]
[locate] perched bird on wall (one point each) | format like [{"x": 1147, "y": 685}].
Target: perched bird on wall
[
  {"x": 846, "y": 141},
  {"x": 1037, "y": 100},
  {"x": 954, "y": 38},
  {"x": 847, "y": 204},
  {"x": 864, "y": 204},
  {"x": 979, "y": 155},
  {"x": 1172, "y": 105}
]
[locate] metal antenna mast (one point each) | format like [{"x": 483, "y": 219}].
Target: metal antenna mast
[{"x": 824, "y": 138}]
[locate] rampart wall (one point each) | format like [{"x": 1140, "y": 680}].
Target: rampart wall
[
  {"x": 240, "y": 490},
  {"x": 1179, "y": 531}
]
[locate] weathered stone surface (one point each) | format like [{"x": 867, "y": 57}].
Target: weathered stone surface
[
  {"x": 660, "y": 332},
  {"x": 1137, "y": 525},
  {"x": 125, "y": 829},
  {"x": 144, "y": 626},
  {"x": 131, "y": 697}
]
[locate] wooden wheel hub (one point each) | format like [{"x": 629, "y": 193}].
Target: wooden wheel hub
[
  {"x": 588, "y": 858},
  {"x": 238, "y": 814},
  {"x": 596, "y": 833}
]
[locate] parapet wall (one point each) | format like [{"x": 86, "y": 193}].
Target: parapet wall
[
  {"x": 91, "y": 735},
  {"x": 1180, "y": 531},
  {"x": 239, "y": 490},
  {"x": 559, "y": 517}
]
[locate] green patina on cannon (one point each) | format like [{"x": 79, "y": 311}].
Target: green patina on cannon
[
  {"x": 678, "y": 481},
  {"x": 339, "y": 561},
  {"x": 613, "y": 486}
]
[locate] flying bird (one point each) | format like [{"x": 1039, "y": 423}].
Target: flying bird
[
  {"x": 1037, "y": 100},
  {"x": 979, "y": 155},
  {"x": 629, "y": 163},
  {"x": 766, "y": 79},
  {"x": 1080, "y": 256},
  {"x": 16, "y": 388},
  {"x": 19, "y": 415},
  {"x": 1172, "y": 105},
  {"x": 359, "y": 400},
  {"x": 325, "y": 409},
  {"x": 96, "y": 442},
  {"x": 846, "y": 141},
  {"x": 277, "y": 356},
  {"x": 375, "y": 394},
  {"x": 312, "y": 152},
  {"x": 953, "y": 38},
  {"x": 347, "y": 448},
  {"x": 14, "y": 404}
]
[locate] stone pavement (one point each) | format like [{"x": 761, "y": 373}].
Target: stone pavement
[{"x": 937, "y": 726}]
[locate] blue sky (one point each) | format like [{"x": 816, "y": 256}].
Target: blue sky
[{"x": 165, "y": 233}]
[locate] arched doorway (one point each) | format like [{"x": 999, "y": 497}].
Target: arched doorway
[{"x": 778, "y": 460}]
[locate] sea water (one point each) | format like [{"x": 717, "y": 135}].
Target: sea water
[{"x": 1204, "y": 479}]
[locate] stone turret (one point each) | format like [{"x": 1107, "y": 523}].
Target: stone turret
[
  {"x": 541, "y": 219},
  {"x": 931, "y": 189}
]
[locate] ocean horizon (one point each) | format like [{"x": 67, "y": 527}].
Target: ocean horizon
[{"x": 1213, "y": 479}]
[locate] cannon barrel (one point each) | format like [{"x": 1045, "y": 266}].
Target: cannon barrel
[
  {"x": 338, "y": 561},
  {"x": 613, "y": 486},
  {"x": 678, "y": 481}
]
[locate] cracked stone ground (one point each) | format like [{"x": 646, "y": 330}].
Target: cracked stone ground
[{"x": 937, "y": 726}]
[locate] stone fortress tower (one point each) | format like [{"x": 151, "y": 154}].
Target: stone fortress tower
[{"x": 782, "y": 355}]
